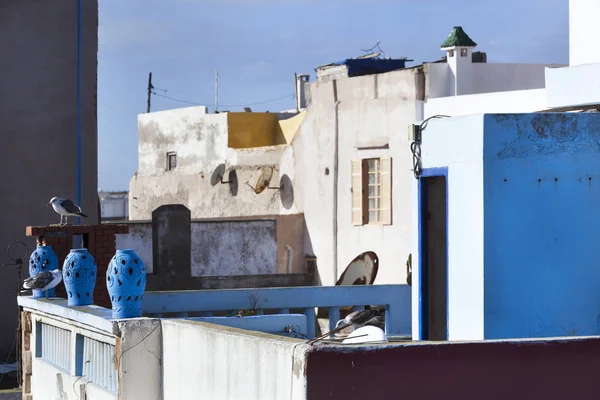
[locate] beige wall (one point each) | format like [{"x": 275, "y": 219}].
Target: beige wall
[
  {"x": 374, "y": 109},
  {"x": 201, "y": 143},
  {"x": 38, "y": 124}
]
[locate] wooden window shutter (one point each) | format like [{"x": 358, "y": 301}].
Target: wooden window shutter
[
  {"x": 357, "y": 193},
  {"x": 386, "y": 190}
]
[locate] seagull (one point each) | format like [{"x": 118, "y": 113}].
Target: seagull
[
  {"x": 377, "y": 321},
  {"x": 44, "y": 281},
  {"x": 356, "y": 319},
  {"x": 66, "y": 208}
]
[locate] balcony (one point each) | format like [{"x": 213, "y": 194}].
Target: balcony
[{"x": 181, "y": 347}]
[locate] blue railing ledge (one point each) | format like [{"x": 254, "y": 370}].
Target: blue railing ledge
[
  {"x": 396, "y": 299},
  {"x": 274, "y": 324}
]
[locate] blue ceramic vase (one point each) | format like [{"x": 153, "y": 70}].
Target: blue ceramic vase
[
  {"x": 42, "y": 259},
  {"x": 126, "y": 282},
  {"x": 79, "y": 275}
]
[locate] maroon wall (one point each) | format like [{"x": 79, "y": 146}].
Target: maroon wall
[{"x": 559, "y": 369}]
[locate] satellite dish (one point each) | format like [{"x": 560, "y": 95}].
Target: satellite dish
[
  {"x": 361, "y": 271},
  {"x": 287, "y": 191},
  {"x": 217, "y": 175},
  {"x": 409, "y": 270},
  {"x": 263, "y": 181}
]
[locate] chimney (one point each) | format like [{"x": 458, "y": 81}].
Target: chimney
[{"x": 301, "y": 82}]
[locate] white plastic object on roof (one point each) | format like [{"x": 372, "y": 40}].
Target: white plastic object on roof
[{"x": 366, "y": 334}]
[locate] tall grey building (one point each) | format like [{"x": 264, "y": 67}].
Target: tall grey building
[{"x": 39, "y": 124}]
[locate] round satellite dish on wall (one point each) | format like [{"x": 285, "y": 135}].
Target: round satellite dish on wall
[
  {"x": 217, "y": 175},
  {"x": 286, "y": 191},
  {"x": 361, "y": 271}
]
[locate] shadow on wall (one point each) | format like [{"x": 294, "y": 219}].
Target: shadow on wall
[
  {"x": 232, "y": 181},
  {"x": 311, "y": 259}
]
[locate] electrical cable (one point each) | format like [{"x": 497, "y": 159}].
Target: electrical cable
[
  {"x": 415, "y": 146},
  {"x": 291, "y": 96}
]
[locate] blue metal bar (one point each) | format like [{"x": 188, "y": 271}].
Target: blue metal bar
[
  {"x": 79, "y": 342},
  {"x": 397, "y": 297},
  {"x": 79, "y": 155},
  {"x": 310, "y": 322},
  {"x": 38, "y": 339},
  {"x": 334, "y": 317},
  {"x": 263, "y": 323}
]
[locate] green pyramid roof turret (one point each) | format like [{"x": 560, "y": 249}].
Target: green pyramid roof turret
[{"x": 458, "y": 38}]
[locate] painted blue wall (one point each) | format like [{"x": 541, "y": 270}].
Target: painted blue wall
[{"x": 541, "y": 225}]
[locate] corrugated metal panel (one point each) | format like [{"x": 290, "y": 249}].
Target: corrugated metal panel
[
  {"x": 99, "y": 364},
  {"x": 56, "y": 346}
]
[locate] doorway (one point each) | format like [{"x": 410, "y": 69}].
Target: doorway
[{"x": 433, "y": 226}]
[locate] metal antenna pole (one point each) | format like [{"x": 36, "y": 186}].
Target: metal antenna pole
[{"x": 216, "y": 90}]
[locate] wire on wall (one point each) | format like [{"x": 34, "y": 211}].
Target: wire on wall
[
  {"x": 287, "y": 96},
  {"x": 415, "y": 146}
]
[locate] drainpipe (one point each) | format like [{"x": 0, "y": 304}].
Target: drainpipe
[
  {"x": 296, "y": 92},
  {"x": 335, "y": 184},
  {"x": 289, "y": 258},
  {"x": 79, "y": 172}
]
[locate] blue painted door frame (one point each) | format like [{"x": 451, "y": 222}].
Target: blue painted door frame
[{"x": 423, "y": 290}]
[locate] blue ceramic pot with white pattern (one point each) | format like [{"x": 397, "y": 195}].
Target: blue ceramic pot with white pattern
[
  {"x": 126, "y": 282},
  {"x": 79, "y": 275},
  {"x": 42, "y": 259}
]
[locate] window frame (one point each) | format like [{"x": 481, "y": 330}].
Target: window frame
[
  {"x": 170, "y": 166},
  {"x": 366, "y": 197}
]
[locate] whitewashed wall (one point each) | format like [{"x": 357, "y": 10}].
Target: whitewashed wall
[
  {"x": 372, "y": 109},
  {"x": 486, "y": 78},
  {"x": 232, "y": 363},
  {"x": 58, "y": 384},
  {"x": 584, "y": 31},
  {"x": 499, "y": 102},
  {"x": 456, "y": 143},
  {"x": 200, "y": 141},
  {"x": 573, "y": 86}
]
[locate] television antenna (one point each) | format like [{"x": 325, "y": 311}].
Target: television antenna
[{"x": 17, "y": 252}]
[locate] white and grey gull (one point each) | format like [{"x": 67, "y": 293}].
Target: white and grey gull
[
  {"x": 65, "y": 208},
  {"x": 356, "y": 319},
  {"x": 43, "y": 281}
]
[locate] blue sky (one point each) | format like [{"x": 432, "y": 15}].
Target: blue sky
[{"x": 257, "y": 45}]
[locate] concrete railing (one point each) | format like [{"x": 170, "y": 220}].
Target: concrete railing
[
  {"x": 395, "y": 298},
  {"x": 82, "y": 352},
  {"x": 79, "y": 352}
]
